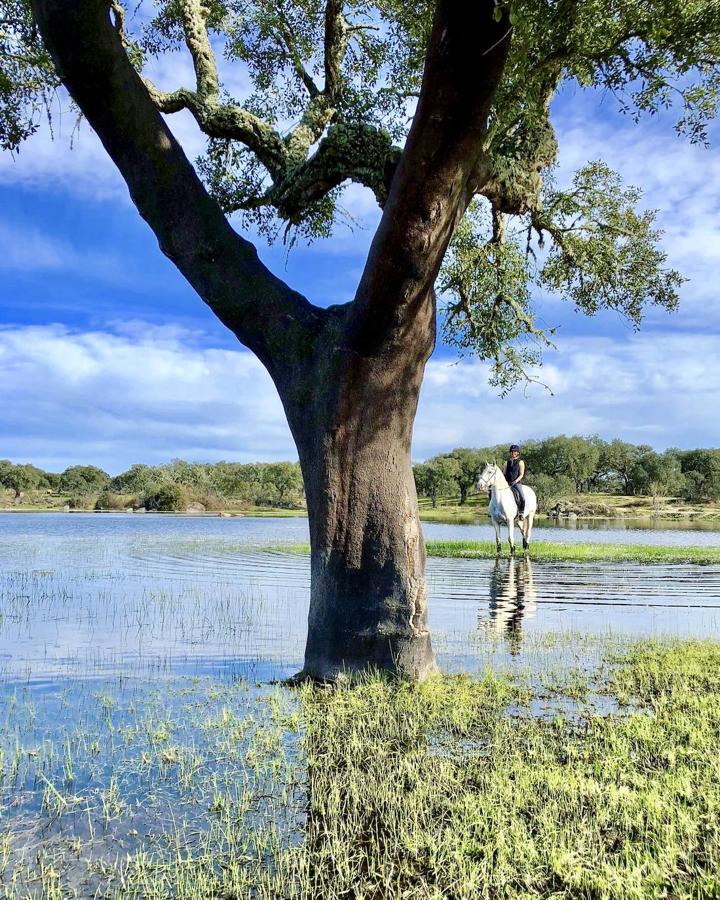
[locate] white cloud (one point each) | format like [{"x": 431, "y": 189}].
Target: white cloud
[
  {"x": 66, "y": 156},
  {"x": 679, "y": 179},
  {"x": 150, "y": 394},
  {"x": 654, "y": 388},
  {"x": 145, "y": 395}
]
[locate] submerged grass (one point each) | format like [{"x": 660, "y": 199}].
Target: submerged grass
[
  {"x": 455, "y": 788},
  {"x": 558, "y": 552}
]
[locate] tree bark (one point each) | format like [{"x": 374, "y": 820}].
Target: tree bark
[{"x": 352, "y": 419}]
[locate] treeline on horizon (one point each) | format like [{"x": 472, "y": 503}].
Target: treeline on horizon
[
  {"x": 562, "y": 466},
  {"x": 557, "y": 467}
]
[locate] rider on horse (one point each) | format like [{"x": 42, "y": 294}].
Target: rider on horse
[{"x": 514, "y": 474}]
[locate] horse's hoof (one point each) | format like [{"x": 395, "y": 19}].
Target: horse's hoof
[
  {"x": 512, "y": 551},
  {"x": 498, "y": 550},
  {"x": 525, "y": 545}
]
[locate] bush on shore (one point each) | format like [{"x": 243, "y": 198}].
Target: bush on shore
[{"x": 165, "y": 498}]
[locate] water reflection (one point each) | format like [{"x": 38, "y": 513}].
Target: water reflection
[{"x": 513, "y": 597}]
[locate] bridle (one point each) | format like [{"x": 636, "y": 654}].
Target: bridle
[{"x": 491, "y": 483}]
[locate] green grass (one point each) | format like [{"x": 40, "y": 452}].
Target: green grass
[
  {"x": 551, "y": 552},
  {"x": 576, "y": 552},
  {"x": 602, "y": 783}
]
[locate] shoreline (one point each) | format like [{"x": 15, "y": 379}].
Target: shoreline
[{"x": 451, "y": 516}]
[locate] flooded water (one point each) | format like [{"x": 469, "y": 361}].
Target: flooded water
[
  {"x": 92, "y": 595},
  {"x": 137, "y": 654}
]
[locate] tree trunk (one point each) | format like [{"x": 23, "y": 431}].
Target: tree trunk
[{"x": 352, "y": 419}]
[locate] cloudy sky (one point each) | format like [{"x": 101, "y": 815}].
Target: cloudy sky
[{"x": 108, "y": 357}]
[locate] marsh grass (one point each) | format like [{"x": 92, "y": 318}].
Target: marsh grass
[
  {"x": 585, "y": 781},
  {"x": 545, "y": 551},
  {"x": 581, "y": 552}
]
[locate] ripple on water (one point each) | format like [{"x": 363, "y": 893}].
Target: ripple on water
[{"x": 182, "y": 593}]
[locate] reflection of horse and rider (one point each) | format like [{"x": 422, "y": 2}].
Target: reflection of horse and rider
[
  {"x": 512, "y": 599},
  {"x": 511, "y": 502}
]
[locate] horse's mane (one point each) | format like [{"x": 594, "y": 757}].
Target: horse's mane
[{"x": 501, "y": 473}]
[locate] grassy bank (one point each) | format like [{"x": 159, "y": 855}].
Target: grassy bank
[
  {"x": 582, "y": 506},
  {"x": 550, "y": 552},
  {"x": 448, "y": 509},
  {"x": 44, "y": 502},
  {"x": 600, "y": 783}
]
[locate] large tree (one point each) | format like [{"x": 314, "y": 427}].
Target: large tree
[{"x": 334, "y": 82}]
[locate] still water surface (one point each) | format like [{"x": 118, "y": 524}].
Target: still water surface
[{"x": 89, "y": 595}]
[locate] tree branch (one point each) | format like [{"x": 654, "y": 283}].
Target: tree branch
[
  {"x": 321, "y": 110},
  {"x": 198, "y": 43},
  {"x": 336, "y": 41},
  {"x": 289, "y": 43},
  {"x": 430, "y": 190},
  {"x": 224, "y": 269},
  {"x": 215, "y": 119},
  {"x": 354, "y": 151},
  {"x": 226, "y": 121}
]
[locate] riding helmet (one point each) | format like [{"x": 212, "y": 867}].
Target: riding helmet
[{"x": 514, "y": 447}]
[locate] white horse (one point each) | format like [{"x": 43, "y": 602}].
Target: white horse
[{"x": 503, "y": 508}]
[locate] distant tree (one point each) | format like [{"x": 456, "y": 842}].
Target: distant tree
[
  {"x": 287, "y": 479},
  {"x": 20, "y": 478},
  {"x": 51, "y": 481},
  {"x": 657, "y": 474},
  {"x": 549, "y": 489},
  {"x": 5, "y": 466},
  {"x": 701, "y": 469},
  {"x": 196, "y": 475},
  {"x": 437, "y": 477},
  {"x": 576, "y": 457},
  {"x": 136, "y": 479},
  {"x": 111, "y": 500},
  {"x": 165, "y": 498},
  {"x": 617, "y": 459},
  {"x": 469, "y": 464},
  {"x": 82, "y": 480}
]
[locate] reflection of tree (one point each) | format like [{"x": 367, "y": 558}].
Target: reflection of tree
[{"x": 512, "y": 597}]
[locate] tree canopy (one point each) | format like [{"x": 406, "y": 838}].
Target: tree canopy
[{"x": 333, "y": 88}]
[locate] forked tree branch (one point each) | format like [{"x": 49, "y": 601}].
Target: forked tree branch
[
  {"x": 192, "y": 231},
  {"x": 356, "y": 152}
]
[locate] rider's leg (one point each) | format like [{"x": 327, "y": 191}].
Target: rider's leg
[{"x": 519, "y": 499}]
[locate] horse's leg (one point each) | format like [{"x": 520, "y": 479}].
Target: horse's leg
[
  {"x": 511, "y": 534},
  {"x": 527, "y": 530},
  {"x": 498, "y": 543}
]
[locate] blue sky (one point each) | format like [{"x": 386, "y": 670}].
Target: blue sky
[{"x": 108, "y": 357}]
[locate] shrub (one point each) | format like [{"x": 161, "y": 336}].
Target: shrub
[
  {"x": 81, "y": 501},
  {"x": 165, "y": 498},
  {"x": 111, "y": 500},
  {"x": 209, "y": 499}
]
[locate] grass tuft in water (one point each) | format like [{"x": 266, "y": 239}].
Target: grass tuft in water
[
  {"x": 436, "y": 792},
  {"x": 546, "y": 551},
  {"x": 599, "y": 783}
]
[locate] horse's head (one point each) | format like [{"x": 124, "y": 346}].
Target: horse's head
[{"x": 486, "y": 477}]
